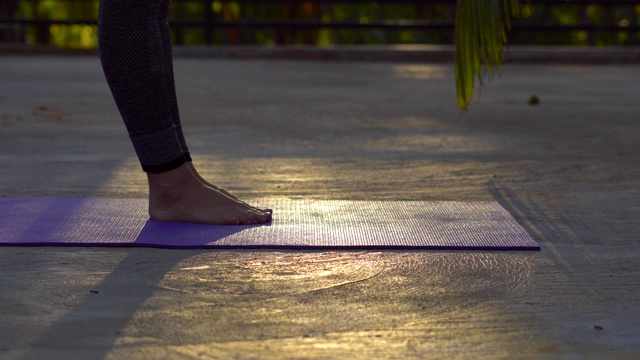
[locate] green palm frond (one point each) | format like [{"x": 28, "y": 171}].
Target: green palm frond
[{"x": 480, "y": 33}]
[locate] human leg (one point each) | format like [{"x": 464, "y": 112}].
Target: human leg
[
  {"x": 167, "y": 62},
  {"x": 132, "y": 56}
]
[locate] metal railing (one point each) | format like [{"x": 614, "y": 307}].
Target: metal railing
[{"x": 211, "y": 22}]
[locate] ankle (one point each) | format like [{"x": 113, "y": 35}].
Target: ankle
[{"x": 171, "y": 185}]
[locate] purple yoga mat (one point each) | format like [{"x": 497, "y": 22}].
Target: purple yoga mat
[{"x": 314, "y": 224}]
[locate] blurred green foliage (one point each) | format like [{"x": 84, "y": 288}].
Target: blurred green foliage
[
  {"x": 481, "y": 32},
  {"x": 77, "y": 36},
  {"x": 85, "y": 36}
]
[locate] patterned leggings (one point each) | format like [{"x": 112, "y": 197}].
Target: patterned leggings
[{"x": 135, "y": 51}]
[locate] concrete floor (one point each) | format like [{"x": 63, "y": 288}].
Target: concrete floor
[{"x": 568, "y": 169}]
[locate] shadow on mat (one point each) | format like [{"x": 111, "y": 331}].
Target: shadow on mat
[
  {"x": 68, "y": 221},
  {"x": 522, "y": 212},
  {"x": 546, "y": 225},
  {"x": 176, "y": 235},
  {"x": 34, "y": 220}
]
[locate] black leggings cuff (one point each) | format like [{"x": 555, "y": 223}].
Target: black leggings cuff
[
  {"x": 168, "y": 166},
  {"x": 187, "y": 156}
]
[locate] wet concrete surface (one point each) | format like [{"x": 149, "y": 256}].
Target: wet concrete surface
[{"x": 567, "y": 169}]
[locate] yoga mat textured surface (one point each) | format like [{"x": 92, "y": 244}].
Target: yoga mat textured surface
[{"x": 297, "y": 224}]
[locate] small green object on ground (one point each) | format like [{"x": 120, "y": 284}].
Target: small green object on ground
[{"x": 533, "y": 100}]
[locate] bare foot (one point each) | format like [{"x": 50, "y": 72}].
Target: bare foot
[
  {"x": 202, "y": 180},
  {"x": 178, "y": 195}
]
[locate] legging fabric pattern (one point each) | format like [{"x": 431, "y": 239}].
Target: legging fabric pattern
[{"x": 135, "y": 52}]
